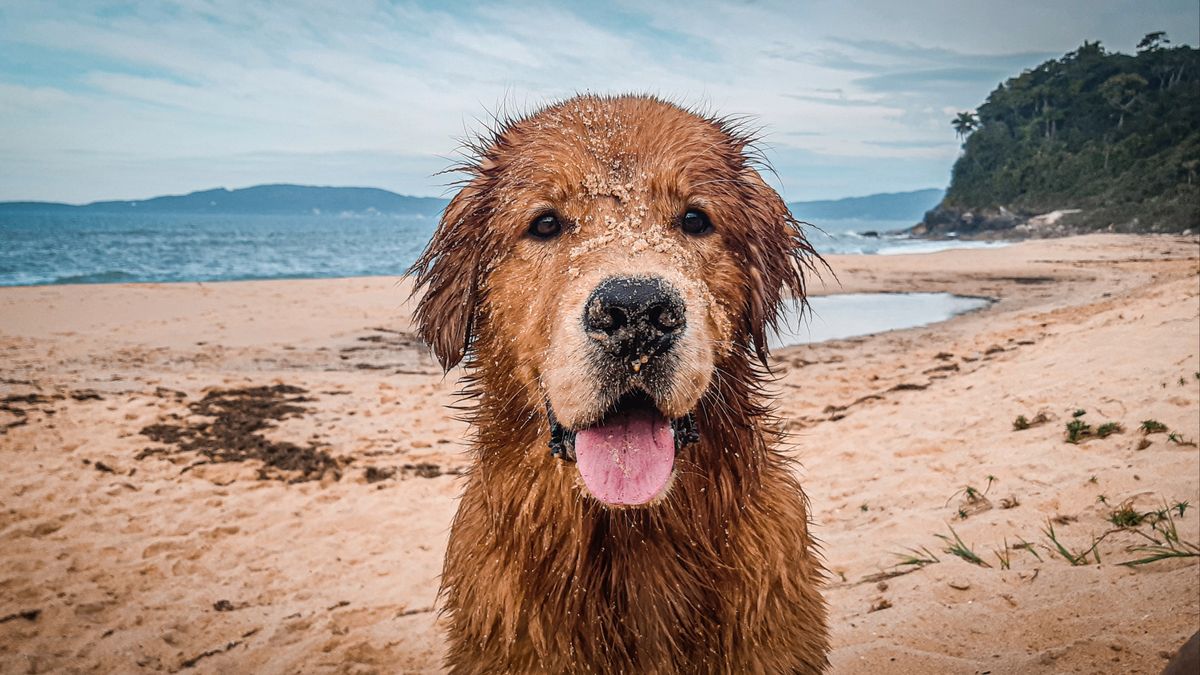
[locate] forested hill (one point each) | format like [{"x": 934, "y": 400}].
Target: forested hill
[{"x": 1113, "y": 135}]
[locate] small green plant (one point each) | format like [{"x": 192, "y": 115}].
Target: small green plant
[
  {"x": 956, "y": 546},
  {"x": 974, "y": 500},
  {"x": 1152, "y": 427},
  {"x": 972, "y": 493},
  {"x": 1094, "y": 481},
  {"x": 1022, "y": 422},
  {"x": 916, "y": 558},
  {"x": 1004, "y": 556},
  {"x": 1102, "y": 499},
  {"x": 1028, "y": 547},
  {"x": 1125, "y": 516},
  {"x": 1076, "y": 559},
  {"x": 1077, "y": 430},
  {"x": 864, "y": 508},
  {"x": 1171, "y": 546},
  {"x": 1178, "y": 439}
]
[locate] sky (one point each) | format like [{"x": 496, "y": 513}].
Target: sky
[{"x": 123, "y": 100}]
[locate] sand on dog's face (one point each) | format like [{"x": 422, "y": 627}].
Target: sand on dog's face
[{"x": 619, "y": 174}]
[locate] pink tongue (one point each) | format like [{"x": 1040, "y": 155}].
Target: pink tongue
[{"x": 628, "y": 459}]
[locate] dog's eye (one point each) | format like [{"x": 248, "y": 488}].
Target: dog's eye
[
  {"x": 545, "y": 226},
  {"x": 695, "y": 222}
]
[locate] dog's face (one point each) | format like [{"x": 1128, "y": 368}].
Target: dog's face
[{"x": 612, "y": 255}]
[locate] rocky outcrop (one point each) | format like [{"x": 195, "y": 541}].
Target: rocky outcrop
[
  {"x": 948, "y": 221},
  {"x": 1001, "y": 223}
]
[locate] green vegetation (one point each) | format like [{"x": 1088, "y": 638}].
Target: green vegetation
[
  {"x": 1170, "y": 545},
  {"x": 917, "y": 558},
  {"x": 1022, "y": 422},
  {"x": 1115, "y": 135},
  {"x": 956, "y": 546},
  {"x": 1076, "y": 559},
  {"x": 1079, "y": 430},
  {"x": 1028, "y": 547},
  {"x": 1153, "y": 427},
  {"x": 1125, "y": 516},
  {"x": 1156, "y": 527},
  {"x": 1179, "y": 439}
]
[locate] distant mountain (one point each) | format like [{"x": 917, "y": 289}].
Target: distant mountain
[
  {"x": 910, "y": 206},
  {"x": 260, "y": 199},
  {"x": 303, "y": 199}
]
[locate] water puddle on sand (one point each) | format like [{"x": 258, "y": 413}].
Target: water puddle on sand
[{"x": 835, "y": 317}]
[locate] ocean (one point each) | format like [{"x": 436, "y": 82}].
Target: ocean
[{"x": 39, "y": 248}]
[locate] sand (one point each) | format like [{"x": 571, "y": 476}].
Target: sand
[{"x": 121, "y": 554}]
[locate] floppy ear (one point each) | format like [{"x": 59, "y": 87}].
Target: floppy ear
[
  {"x": 448, "y": 273},
  {"x": 776, "y": 255}
]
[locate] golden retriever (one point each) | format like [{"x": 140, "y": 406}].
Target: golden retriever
[{"x": 608, "y": 276}]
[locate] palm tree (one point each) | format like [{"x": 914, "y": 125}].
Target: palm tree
[{"x": 964, "y": 123}]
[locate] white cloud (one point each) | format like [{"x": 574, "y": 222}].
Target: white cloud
[{"x": 184, "y": 95}]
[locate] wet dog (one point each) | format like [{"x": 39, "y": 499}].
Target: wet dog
[{"x": 608, "y": 276}]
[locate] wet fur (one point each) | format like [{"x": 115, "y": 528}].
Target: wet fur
[{"x": 721, "y": 574}]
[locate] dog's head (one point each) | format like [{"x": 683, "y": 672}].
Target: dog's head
[{"x": 607, "y": 261}]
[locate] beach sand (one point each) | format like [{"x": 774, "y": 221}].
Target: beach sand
[{"x": 121, "y": 552}]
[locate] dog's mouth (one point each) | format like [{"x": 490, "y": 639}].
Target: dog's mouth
[{"x": 628, "y": 457}]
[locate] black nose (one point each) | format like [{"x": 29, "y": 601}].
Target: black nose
[{"x": 636, "y": 318}]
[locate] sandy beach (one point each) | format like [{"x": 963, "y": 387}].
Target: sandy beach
[{"x": 312, "y": 541}]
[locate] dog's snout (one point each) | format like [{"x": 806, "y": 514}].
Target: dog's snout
[{"x": 634, "y": 316}]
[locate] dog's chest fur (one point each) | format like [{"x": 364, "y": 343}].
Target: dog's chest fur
[{"x": 720, "y": 577}]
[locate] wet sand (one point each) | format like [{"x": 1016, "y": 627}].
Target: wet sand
[{"x": 313, "y": 541}]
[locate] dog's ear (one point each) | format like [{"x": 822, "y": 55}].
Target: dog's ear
[
  {"x": 448, "y": 273},
  {"x": 777, "y": 254}
]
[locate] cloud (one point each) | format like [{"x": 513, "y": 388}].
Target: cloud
[{"x": 136, "y": 99}]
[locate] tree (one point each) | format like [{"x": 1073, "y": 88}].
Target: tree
[
  {"x": 1121, "y": 92},
  {"x": 1190, "y": 167},
  {"x": 1152, "y": 41},
  {"x": 964, "y": 123}
]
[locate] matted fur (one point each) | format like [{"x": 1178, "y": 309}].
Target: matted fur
[{"x": 719, "y": 575}]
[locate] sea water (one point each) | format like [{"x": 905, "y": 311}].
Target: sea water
[
  {"x": 78, "y": 248},
  {"x": 54, "y": 248},
  {"x": 836, "y": 317}
]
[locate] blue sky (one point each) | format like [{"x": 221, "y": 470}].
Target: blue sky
[{"x": 130, "y": 100}]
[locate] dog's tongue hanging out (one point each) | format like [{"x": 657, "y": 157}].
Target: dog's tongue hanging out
[{"x": 627, "y": 459}]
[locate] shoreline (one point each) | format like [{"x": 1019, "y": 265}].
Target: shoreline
[{"x": 131, "y": 550}]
